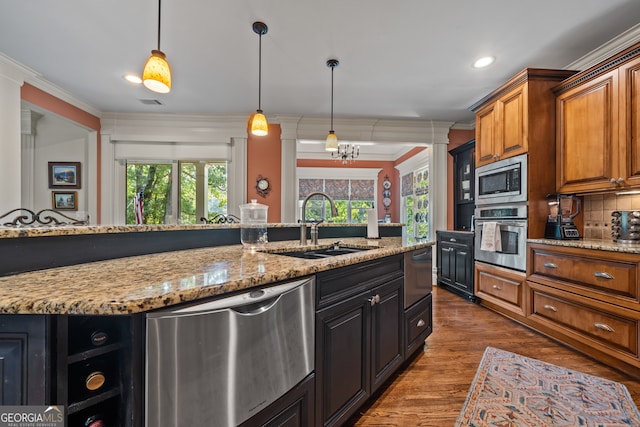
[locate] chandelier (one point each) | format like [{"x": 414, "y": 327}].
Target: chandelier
[{"x": 346, "y": 152}]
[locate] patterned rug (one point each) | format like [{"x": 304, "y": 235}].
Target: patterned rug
[{"x": 510, "y": 390}]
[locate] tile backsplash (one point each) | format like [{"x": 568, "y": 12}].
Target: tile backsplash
[{"x": 597, "y": 213}]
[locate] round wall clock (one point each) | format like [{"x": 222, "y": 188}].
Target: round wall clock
[{"x": 262, "y": 186}]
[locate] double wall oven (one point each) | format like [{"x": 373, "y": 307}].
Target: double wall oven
[{"x": 501, "y": 203}]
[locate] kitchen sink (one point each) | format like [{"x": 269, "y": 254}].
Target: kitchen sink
[{"x": 322, "y": 253}]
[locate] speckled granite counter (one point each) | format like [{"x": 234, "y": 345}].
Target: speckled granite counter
[
  {"x": 142, "y": 283},
  {"x": 13, "y": 232},
  {"x": 602, "y": 245}
]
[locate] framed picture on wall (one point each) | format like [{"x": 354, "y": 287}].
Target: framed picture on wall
[
  {"x": 64, "y": 175},
  {"x": 65, "y": 200}
]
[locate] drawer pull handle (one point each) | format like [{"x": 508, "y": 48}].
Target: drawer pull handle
[
  {"x": 374, "y": 300},
  {"x": 550, "y": 265},
  {"x": 452, "y": 240},
  {"x": 604, "y": 327},
  {"x": 603, "y": 275},
  {"x": 420, "y": 323},
  {"x": 550, "y": 307},
  {"x": 497, "y": 287}
]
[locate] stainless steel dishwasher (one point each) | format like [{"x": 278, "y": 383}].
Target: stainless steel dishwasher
[{"x": 219, "y": 363}]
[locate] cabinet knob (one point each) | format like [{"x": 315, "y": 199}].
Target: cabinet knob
[
  {"x": 452, "y": 240},
  {"x": 497, "y": 287},
  {"x": 612, "y": 181},
  {"x": 374, "y": 300},
  {"x": 620, "y": 180},
  {"x": 420, "y": 323}
]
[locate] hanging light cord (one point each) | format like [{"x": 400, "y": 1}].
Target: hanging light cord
[
  {"x": 159, "y": 9},
  {"x": 260, "y": 72},
  {"x": 332, "y": 67}
]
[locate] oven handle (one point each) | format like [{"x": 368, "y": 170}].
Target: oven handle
[{"x": 520, "y": 224}]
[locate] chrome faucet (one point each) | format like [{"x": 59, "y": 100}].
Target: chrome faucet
[{"x": 314, "y": 228}]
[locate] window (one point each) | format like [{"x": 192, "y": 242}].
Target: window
[
  {"x": 176, "y": 192},
  {"x": 415, "y": 209},
  {"x": 352, "y": 198}
]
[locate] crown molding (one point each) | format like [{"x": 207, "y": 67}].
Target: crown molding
[
  {"x": 173, "y": 128},
  {"x": 606, "y": 50}
]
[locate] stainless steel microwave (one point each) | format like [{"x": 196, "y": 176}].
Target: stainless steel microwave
[{"x": 504, "y": 181}]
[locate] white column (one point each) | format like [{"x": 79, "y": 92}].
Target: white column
[
  {"x": 28, "y": 157},
  {"x": 10, "y": 138},
  {"x": 289, "y": 199},
  {"x": 237, "y": 176}
]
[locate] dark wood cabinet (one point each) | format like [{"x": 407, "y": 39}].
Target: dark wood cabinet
[
  {"x": 359, "y": 337},
  {"x": 464, "y": 185},
  {"x": 386, "y": 331},
  {"x": 418, "y": 324},
  {"x": 24, "y": 360},
  {"x": 455, "y": 262}
]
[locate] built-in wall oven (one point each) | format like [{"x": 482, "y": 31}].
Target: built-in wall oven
[
  {"x": 511, "y": 222},
  {"x": 501, "y": 213}
]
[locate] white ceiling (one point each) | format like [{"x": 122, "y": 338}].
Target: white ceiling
[{"x": 407, "y": 59}]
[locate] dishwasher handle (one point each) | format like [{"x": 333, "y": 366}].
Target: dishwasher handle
[{"x": 252, "y": 302}]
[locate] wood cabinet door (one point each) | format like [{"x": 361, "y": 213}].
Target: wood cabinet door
[
  {"x": 629, "y": 129},
  {"x": 342, "y": 363},
  {"x": 513, "y": 123},
  {"x": 446, "y": 263},
  {"x": 23, "y": 360},
  {"x": 486, "y": 134},
  {"x": 586, "y": 139},
  {"x": 386, "y": 332},
  {"x": 463, "y": 278}
]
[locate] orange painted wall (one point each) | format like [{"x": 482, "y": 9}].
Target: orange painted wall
[
  {"x": 387, "y": 170},
  {"x": 264, "y": 157},
  {"x": 62, "y": 108},
  {"x": 457, "y": 137}
]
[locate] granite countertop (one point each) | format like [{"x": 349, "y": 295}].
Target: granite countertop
[
  {"x": 602, "y": 245},
  {"x": 147, "y": 282},
  {"x": 69, "y": 230}
]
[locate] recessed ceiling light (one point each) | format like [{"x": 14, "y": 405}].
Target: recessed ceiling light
[
  {"x": 132, "y": 78},
  {"x": 483, "y": 62}
]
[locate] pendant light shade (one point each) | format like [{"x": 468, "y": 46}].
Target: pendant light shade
[
  {"x": 258, "y": 121},
  {"x": 331, "y": 143},
  {"x": 259, "y": 126},
  {"x": 156, "y": 75}
]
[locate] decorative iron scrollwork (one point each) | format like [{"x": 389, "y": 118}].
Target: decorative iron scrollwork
[
  {"x": 23, "y": 217},
  {"x": 221, "y": 219}
]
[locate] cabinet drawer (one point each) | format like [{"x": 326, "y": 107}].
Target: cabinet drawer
[
  {"x": 610, "y": 329},
  {"x": 335, "y": 285},
  {"x": 502, "y": 288},
  {"x": 612, "y": 274},
  {"x": 418, "y": 324}
]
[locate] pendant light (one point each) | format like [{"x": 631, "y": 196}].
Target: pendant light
[
  {"x": 332, "y": 140},
  {"x": 156, "y": 75},
  {"x": 257, "y": 120}
]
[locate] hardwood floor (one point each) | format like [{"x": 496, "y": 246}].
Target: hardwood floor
[{"x": 434, "y": 386}]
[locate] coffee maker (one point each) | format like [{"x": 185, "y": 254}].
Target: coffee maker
[{"x": 563, "y": 208}]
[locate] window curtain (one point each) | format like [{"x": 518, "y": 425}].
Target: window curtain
[{"x": 407, "y": 185}]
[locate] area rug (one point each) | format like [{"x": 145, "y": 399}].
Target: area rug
[{"x": 510, "y": 390}]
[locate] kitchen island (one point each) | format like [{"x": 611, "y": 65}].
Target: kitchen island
[{"x": 60, "y": 310}]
